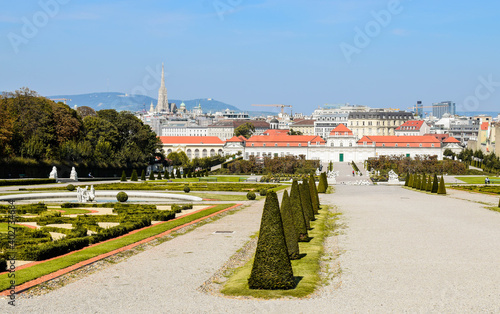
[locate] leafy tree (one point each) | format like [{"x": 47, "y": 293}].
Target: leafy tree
[
  {"x": 291, "y": 235},
  {"x": 271, "y": 269},
  {"x": 292, "y": 132},
  {"x": 246, "y": 130},
  {"x": 178, "y": 158},
  {"x": 85, "y": 111}
]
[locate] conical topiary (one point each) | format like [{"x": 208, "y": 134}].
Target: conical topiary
[
  {"x": 124, "y": 176},
  {"x": 151, "y": 175},
  {"x": 325, "y": 179},
  {"x": 323, "y": 183},
  {"x": 429, "y": 184},
  {"x": 410, "y": 180},
  {"x": 305, "y": 213},
  {"x": 435, "y": 184},
  {"x": 314, "y": 194},
  {"x": 305, "y": 198},
  {"x": 298, "y": 214},
  {"x": 159, "y": 175},
  {"x": 416, "y": 181},
  {"x": 133, "y": 177},
  {"x": 423, "y": 184},
  {"x": 291, "y": 235},
  {"x": 441, "y": 188},
  {"x": 167, "y": 175},
  {"x": 143, "y": 175},
  {"x": 499, "y": 203},
  {"x": 407, "y": 179},
  {"x": 271, "y": 269},
  {"x": 179, "y": 175}
]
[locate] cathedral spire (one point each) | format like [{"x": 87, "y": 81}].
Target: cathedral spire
[{"x": 162, "y": 105}]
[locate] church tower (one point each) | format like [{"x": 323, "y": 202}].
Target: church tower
[{"x": 162, "y": 105}]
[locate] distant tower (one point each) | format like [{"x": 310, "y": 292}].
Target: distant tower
[
  {"x": 162, "y": 105},
  {"x": 151, "y": 108}
]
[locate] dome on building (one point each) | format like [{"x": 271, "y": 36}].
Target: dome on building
[
  {"x": 274, "y": 121},
  {"x": 183, "y": 105}
]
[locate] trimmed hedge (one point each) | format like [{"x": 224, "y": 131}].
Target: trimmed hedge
[
  {"x": 251, "y": 196},
  {"x": 26, "y": 182}
]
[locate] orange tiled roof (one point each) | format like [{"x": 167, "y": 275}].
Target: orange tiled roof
[
  {"x": 284, "y": 140},
  {"x": 400, "y": 141},
  {"x": 191, "y": 140},
  {"x": 275, "y": 132},
  {"x": 235, "y": 139},
  {"x": 411, "y": 125},
  {"x": 341, "y": 129},
  {"x": 451, "y": 139}
]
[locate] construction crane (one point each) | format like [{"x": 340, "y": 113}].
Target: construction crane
[
  {"x": 63, "y": 99},
  {"x": 277, "y": 105}
]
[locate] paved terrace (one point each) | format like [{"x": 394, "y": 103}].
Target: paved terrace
[{"x": 402, "y": 251}]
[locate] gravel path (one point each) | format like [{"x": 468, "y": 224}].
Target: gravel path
[{"x": 402, "y": 251}]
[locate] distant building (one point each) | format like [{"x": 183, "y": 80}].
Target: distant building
[
  {"x": 305, "y": 126},
  {"x": 193, "y": 146},
  {"x": 377, "y": 122},
  {"x": 439, "y": 109},
  {"x": 225, "y": 129},
  {"x": 413, "y": 128}
]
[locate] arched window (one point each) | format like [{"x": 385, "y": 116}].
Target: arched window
[
  {"x": 189, "y": 153},
  {"x": 212, "y": 152},
  {"x": 204, "y": 153},
  {"x": 196, "y": 153}
]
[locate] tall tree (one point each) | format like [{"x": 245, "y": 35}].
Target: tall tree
[
  {"x": 271, "y": 269},
  {"x": 246, "y": 130}
]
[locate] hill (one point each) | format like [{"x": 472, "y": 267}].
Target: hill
[{"x": 121, "y": 101}]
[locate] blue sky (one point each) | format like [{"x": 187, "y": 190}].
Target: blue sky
[{"x": 301, "y": 53}]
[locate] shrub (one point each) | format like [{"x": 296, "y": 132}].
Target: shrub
[
  {"x": 70, "y": 187},
  {"x": 187, "y": 189},
  {"x": 435, "y": 185},
  {"x": 306, "y": 203},
  {"x": 423, "y": 184},
  {"x": 323, "y": 184},
  {"x": 124, "y": 177},
  {"x": 263, "y": 192},
  {"x": 143, "y": 175},
  {"x": 159, "y": 176},
  {"x": 428, "y": 188},
  {"x": 122, "y": 197},
  {"x": 314, "y": 195},
  {"x": 407, "y": 179},
  {"x": 133, "y": 177},
  {"x": 441, "y": 188},
  {"x": 3, "y": 265},
  {"x": 165, "y": 175},
  {"x": 291, "y": 235},
  {"x": 298, "y": 214},
  {"x": 251, "y": 196},
  {"x": 271, "y": 269},
  {"x": 151, "y": 175}
]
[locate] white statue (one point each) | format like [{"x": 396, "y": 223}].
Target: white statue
[
  {"x": 318, "y": 172},
  {"x": 393, "y": 177},
  {"x": 79, "y": 194},
  {"x": 84, "y": 196},
  {"x": 73, "y": 175},
  {"x": 92, "y": 194},
  {"x": 53, "y": 173}
]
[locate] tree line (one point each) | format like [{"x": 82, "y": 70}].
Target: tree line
[{"x": 38, "y": 129}]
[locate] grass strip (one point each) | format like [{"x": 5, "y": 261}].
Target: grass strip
[
  {"x": 306, "y": 269},
  {"x": 50, "y": 266}
]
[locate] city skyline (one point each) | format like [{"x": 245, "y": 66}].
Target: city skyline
[{"x": 373, "y": 53}]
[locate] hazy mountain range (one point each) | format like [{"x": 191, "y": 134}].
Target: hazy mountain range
[{"x": 121, "y": 101}]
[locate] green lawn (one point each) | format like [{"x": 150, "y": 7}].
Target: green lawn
[
  {"x": 224, "y": 197},
  {"x": 478, "y": 180},
  {"x": 71, "y": 211},
  {"x": 306, "y": 268},
  {"x": 44, "y": 268},
  {"x": 203, "y": 179},
  {"x": 486, "y": 189}
]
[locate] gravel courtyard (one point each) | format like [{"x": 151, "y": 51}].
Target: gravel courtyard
[{"x": 401, "y": 251}]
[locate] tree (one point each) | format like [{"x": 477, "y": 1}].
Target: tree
[
  {"x": 291, "y": 235},
  {"x": 323, "y": 184},
  {"x": 178, "y": 158},
  {"x": 314, "y": 194},
  {"x": 429, "y": 184},
  {"x": 133, "y": 177},
  {"x": 305, "y": 197},
  {"x": 159, "y": 175},
  {"x": 407, "y": 178},
  {"x": 271, "y": 269},
  {"x": 410, "y": 180},
  {"x": 298, "y": 213},
  {"x": 151, "y": 175},
  {"x": 246, "y": 130},
  {"x": 441, "y": 188},
  {"x": 449, "y": 153},
  {"x": 124, "y": 176},
  {"x": 435, "y": 184},
  {"x": 292, "y": 132},
  {"x": 166, "y": 175},
  {"x": 85, "y": 111},
  {"x": 423, "y": 184},
  {"x": 143, "y": 175}
]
